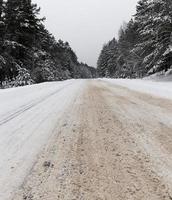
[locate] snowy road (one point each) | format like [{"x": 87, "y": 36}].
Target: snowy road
[{"x": 86, "y": 139}]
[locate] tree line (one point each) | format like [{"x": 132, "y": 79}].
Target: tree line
[
  {"x": 144, "y": 46},
  {"x": 29, "y": 53}
]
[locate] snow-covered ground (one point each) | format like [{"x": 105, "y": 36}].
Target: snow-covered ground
[
  {"x": 159, "y": 89},
  {"x": 28, "y": 119}
]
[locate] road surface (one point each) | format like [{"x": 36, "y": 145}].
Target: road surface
[{"x": 86, "y": 140}]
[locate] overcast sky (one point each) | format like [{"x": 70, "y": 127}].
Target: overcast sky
[{"x": 86, "y": 24}]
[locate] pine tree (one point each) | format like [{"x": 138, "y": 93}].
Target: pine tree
[
  {"x": 2, "y": 25},
  {"x": 102, "y": 62},
  {"x": 21, "y": 31},
  {"x": 155, "y": 21},
  {"x": 164, "y": 33},
  {"x": 107, "y": 64},
  {"x": 2, "y": 31},
  {"x": 128, "y": 59},
  {"x": 22, "y": 21}
]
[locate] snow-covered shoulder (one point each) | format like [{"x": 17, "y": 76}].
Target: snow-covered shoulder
[
  {"x": 159, "y": 89},
  {"x": 29, "y": 118}
]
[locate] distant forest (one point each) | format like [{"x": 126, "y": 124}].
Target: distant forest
[
  {"x": 144, "y": 46},
  {"x": 29, "y": 53}
]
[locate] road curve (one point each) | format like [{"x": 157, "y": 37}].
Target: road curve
[{"x": 111, "y": 143}]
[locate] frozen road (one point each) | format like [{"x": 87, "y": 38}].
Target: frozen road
[{"x": 85, "y": 139}]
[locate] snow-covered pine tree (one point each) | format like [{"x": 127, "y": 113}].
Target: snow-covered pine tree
[
  {"x": 2, "y": 31},
  {"x": 113, "y": 53},
  {"x": 106, "y": 63},
  {"x": 22, "y": 29},
  {"x": 146, "y": 45},
  {"x": 2, "y": 25},
  {"x": 164, "y": 33},
  {"x": 155, "y": 22},
  {"x": 127, "y": 59},
  {"x": 23, "y": 78},
  {"x": 102, "y": 62},
  {"x": 22, "y": 22}
]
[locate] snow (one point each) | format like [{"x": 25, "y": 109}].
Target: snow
[
  {"x": 28, "y": 119},
  {"x": 161, "y": 76},
  {"x": 158, "y": 89}
]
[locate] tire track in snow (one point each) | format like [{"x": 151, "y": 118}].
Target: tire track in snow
[{"x": 27, "y": 107}]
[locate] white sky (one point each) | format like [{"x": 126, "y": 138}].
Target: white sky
[{"x": 86, "y": 24}]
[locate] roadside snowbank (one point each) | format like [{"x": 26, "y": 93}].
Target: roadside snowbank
[
  {"x": 159, "y": 89},
  {"x": 161, "y": 76}
]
